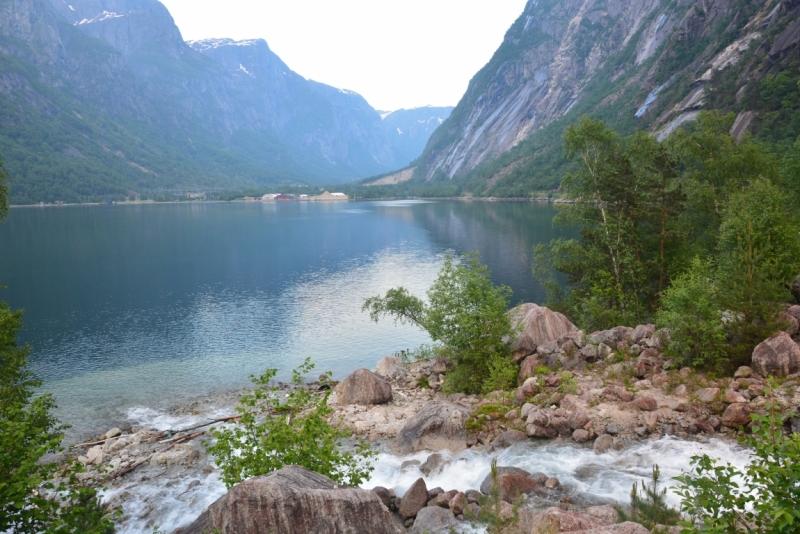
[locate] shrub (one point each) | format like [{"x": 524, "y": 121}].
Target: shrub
[
  {"x": 762, "y": 498},
  {"x": 691, "y": 312},
  {"x": 467, "y": 314},
  {"x": 649, "y": 504},
  {"x": 274, "y": 432},
  {"x": 32, "y": 498}
]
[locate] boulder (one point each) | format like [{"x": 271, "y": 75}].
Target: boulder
[
  {"x": 414, "y": 500},
  {"x": 433, "y": 463},
  {"x": 620, "y": 528},
  {"x": 646, "y": 404},
  {"x": 609, "y": 338},
  {"x": 113, "y": 433},
  {"x": 387, "y": 496},
  {"x": 707, "y": 395},
  {"x": 291, "y": 500},
  {"x": 555, "y": 520},
  {"x": 512, "y": 485},
  {"x": 732, "y": 396},
  {"x": 433, "y": 520},
  {"x": 777, "y": 356},
  {"x": 508, "y": 438},
  {"x": 580, "y": 436},
  {"x": 391, "y": 367},
  {"x": 607, "y": 514},
  {"x": 603, "y": 443},
  {"x": 438, "y": 426},
  {"x": 486, "y": 485},
  {"x": 578, "y": 420},
  {"x": 363, "y": 387},
  {"x": 641, "y": 332},
  {"x": 537, "y": 325},
  {"x": 458, "y": 503},
  {"x": 791, "y": 324},
  {"x": 794, "y": 311},
  {"x": 736, "y": 415},
  {"x": 743, "y": 372}
]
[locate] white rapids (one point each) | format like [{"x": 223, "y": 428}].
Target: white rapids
[{"x": 169, "y": 503}]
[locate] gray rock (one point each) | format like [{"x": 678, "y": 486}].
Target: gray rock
[
  {"x": 113, "y": 433},
  {"x": 642, "y": 332},
  {"x": 433, "y": 520},
  {"x": 486, "y": 485},
  {"x": 414, "y": 500},
  {"x": 295, "y": 499},
  {"x": 508, "y": 438},
  {"x": 777, "y": 356},
  {"x": 386, "y": 495},
  {"x": 538, "y": 325},
  {"x": 391, "y": 367},
  {"x": 440, "y": 425},
  {"x": 603, "y": 443},
  {"x": 363, "y": 387},
  {"x": 613, "y": 429},
  {"x": 432, "y": 464}
]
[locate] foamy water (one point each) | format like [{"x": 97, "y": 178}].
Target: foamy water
[{"x": 172, "y": 503}]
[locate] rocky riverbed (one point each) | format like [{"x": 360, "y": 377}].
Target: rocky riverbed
[{"x": 592, "y": 414}]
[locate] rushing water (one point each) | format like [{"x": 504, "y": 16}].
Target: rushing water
[
  {"x": 589, "y": 477},
  {"x": 148, "y": 305}
]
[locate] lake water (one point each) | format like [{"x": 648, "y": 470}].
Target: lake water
[{"x": 148, "y": 305}]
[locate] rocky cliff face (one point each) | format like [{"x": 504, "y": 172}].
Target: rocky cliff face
[
  {"x": 637, "y": 63},
  {"x": 130, "y": 107}
]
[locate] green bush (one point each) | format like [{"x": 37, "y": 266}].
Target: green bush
[
  {"x": 467, "y": 314},
  {"x": 277, "y": 429},
  {"x": 762, "y": 498},
  {"x": 36, "y": 496},
  {"x": 649, "y": 504},
  {"x": 691, "y": 312}
]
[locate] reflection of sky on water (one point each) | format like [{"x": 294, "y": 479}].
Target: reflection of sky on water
[{"x": 150, "y": 304}]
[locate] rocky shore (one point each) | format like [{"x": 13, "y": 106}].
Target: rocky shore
[{"x": 606, "y": 390}]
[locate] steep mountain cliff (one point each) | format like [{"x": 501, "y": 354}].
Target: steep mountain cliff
[
  {"x": 103, "y": 97},
  {"x": 637, "y": 64}
]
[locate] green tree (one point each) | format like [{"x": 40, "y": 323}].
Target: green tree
[
  {"x": 277, "y": 429},
  {"x": 649, "y": 504},
  {"x": 691, "y": 310},
  {"x": 36, "y": 496},
  {"x": 762, "y": 498},
  {"x": 625, "y": 201},
  {"x": 759, "y": 253},
  {"x": 467, "y": 314}
]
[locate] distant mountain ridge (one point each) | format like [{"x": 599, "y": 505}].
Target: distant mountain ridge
[
  {"x": 103, "y": 97},
  {"x": 410, "y": 129},
  {"x": 645, "y": 64}
]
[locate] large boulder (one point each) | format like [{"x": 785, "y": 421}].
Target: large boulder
[
  {"x": 292, "y": 500},
  {"x": 363, "y": 387},
  {"x": 537, "y": 325},
  {"x": 439, "y": 425},
  {"x": 555, "y": 520},
  {"x": 391, "y": 367},
  {"x": 414, "y": 500},
  {"x": 486, "y": 485},
  {"x": 433, "y": 520},
  {"x": 777, "y": 356},
  {"x": 736, "y": 415}
]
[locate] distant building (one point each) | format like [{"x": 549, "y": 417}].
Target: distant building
[
  {"x": 284, "y": 197},
  {"x": 331, "y": 196},
  {"x": 268, "y": 197}
]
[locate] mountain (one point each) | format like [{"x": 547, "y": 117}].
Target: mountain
[
  {"x": 410, "y": 129},
  {"x": 637, "y": 64},
  {"x": 104, "y": 97}
]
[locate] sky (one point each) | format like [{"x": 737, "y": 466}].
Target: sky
[{"x": 395, "y": 53}]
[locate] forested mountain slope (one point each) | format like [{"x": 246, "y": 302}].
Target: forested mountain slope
[
  {"x": 104, "y": 98},
  {"x": 637, "y": 64}
]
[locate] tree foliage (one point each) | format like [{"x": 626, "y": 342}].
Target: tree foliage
[
  {"x": 277, "y": 429},
  {"x": 467, "y": 314},
  {"x": 646, "y": 210},
  {"x": 761, "y": 498},
  {"x": 36, "y": 496}
]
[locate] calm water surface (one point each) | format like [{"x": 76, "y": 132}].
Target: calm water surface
[{"x": 148, "y": 305}]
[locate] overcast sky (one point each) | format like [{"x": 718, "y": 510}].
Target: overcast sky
[{"x": 396, "y": 53}]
